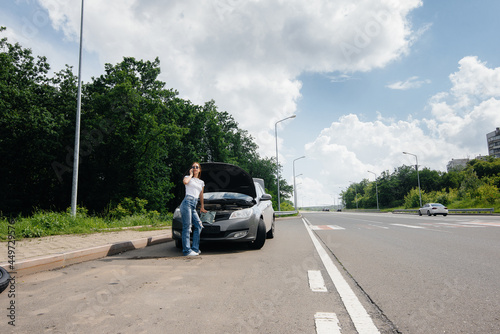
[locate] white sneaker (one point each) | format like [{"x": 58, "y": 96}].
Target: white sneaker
[{"x": 192, "y": 253}]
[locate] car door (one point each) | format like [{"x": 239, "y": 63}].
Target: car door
[{"x": 266, "y": 206}]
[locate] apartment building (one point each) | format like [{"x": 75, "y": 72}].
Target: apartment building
[{"x": 493, "y": 139}]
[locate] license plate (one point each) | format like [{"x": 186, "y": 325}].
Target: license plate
[{"x": 211, "y": 229}]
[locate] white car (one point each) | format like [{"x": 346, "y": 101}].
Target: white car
[
  {"x": 243, "y": 211},
  {"x": 433, "y": 209}
]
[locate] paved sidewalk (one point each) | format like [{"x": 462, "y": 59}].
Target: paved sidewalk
[{"x": 38, "y": 254}]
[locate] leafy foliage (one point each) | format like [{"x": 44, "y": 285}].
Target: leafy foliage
[{"x": 479, "y": 181}]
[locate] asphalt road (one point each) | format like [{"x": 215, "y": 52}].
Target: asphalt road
[
  {"x": 228, "y": 289},
  {"x": 376, "y": 273},
  {"x": 426, "y": 274}
]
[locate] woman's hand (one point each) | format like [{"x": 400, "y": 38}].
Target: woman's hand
[{"x": 202, "y": 209}]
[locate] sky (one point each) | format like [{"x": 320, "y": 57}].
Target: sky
[{"x": 367, "y": 80}]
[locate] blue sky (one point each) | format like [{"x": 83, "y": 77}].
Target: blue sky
[{"x": 367, "y": 80}]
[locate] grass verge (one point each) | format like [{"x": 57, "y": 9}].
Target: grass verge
[{"x": 45, "y": 223}]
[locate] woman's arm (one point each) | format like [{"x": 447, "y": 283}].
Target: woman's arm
[
  {"x": 202, "y": 205},
  {"x": 189, "y": 177}
]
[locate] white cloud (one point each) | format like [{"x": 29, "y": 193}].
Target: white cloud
[
  {"x": 410, "y": 83},
  {"x": 246, "y": 55},
  {"x": 470, "y": 109}
]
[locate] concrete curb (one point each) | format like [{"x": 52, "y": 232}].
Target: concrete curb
[{"x": 61, "y": 260}]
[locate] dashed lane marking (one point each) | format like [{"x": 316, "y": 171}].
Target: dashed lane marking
[
  {"x": 410, "y": 226},
  {"x": 326, "y": 227},
  {"x": 316, "y": 281},
  {"x": 359, "y": 316},
  {"x": 326, "y": 323},
  {"x": 483, "y": 224}
]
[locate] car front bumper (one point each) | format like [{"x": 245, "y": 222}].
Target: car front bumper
[{"x": 234, "y": 230}]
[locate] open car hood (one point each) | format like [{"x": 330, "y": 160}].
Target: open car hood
[{"x": 222, "y": 177}]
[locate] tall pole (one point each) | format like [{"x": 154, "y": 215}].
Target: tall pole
[
  {"x": 418, "y": 177},
  {"x": 376, "y": 188},
  {"x": 294, "y": 186},
  {"x": 277, "y": 162},
  {"x": 76, "y": 155},
  {"x": 342, "y": 202}
]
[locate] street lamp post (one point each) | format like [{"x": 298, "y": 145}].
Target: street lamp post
[
  {"x": 277, "y": 162},
  {"x": 418, "y": 177},
  {"x": 76, "y": 154},
  {"x": 356, "y": 192},
  {"x": 376, "y": 187},
  {"x": 294, "y": 186},
  {"x": 341, "y": 197}
]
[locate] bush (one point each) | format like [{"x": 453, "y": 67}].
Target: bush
[
  {"x": 412, "y": 199},
  {"x": 129, "y": 207},
  {"x": 488, "y": 192},
  {"x": 285, "y": 206}
]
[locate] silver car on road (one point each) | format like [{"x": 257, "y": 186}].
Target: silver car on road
[
  {"x": 433, "y": 209},
  {"x": 243, "y": 211}
]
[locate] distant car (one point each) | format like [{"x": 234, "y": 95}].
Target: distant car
[
  {"x": 433, "y": 209},
  {"x": 243, "y": 210}
]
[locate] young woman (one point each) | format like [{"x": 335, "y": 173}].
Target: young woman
[{"x": 190, "y": 219}]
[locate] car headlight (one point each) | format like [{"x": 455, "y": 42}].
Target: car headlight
[
  {"x": 245, "y": 213},
  {"x": 177, "y": 214}
]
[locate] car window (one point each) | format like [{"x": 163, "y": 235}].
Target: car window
[{"x": 225, "y": 195}]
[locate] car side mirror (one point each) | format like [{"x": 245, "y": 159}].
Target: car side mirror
[{"x": 266, "y": 197}]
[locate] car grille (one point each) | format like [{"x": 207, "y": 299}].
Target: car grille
[{"x": 214, "y": 232}]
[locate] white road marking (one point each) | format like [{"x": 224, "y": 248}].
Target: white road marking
[
  {"x": 410, "y": 226},
  {"x": 326, "y": 227},
  {"x": 379, "y": 226},
  {"x": 483, "y": 224},
  {"x": 336, "y": 227},
  {"x": 316, "y": 281},
  {"x": 360, "y": 318},
  {"x": 326, "y": 323}
]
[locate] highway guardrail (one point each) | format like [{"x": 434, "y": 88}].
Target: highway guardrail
[{"x": 453, "y": 211}]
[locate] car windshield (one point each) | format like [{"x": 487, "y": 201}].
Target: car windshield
[{"x": 214, "y": 196}]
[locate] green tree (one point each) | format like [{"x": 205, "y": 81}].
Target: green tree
[{"x": 34, "y": 118}]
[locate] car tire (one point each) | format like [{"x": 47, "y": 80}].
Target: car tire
[
  {"x": 445, "y": 214},
  {"x": 429, "y": 213},
  {"x": 419, "y": 212},
  {"x": 4, "y": 279},
  {"x": 261, "y": 236},
  {"x": 270, "y": 233},
  {"x": 178, "y": 243}
]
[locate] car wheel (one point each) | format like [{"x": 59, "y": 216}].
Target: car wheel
[
  {"x": 261, "y": 236},
  {"x": 435, "y": 214},
  {"x": 4, "y": 279},
  {"x": 270, "y": 233},
  {"x": 429, "y": 213},
  {"x": 445, "y": 214},
  {"x": 419, "y": 212},
  {"x": 178, "y": 243}
]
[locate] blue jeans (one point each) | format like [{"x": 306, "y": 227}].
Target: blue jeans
[{"x": 190, "y": 219}]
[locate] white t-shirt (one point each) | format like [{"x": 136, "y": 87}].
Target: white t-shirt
[{"x": 194, "y": 187}]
